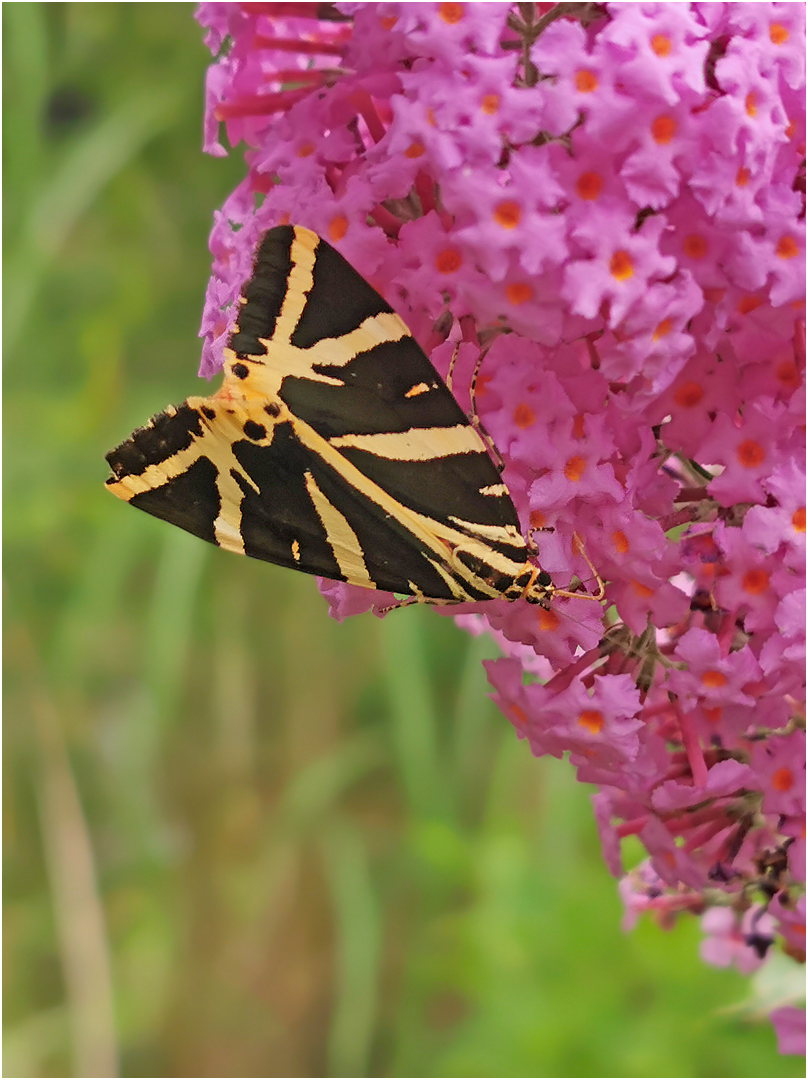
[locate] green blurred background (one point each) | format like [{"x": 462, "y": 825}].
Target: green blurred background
[{"x": 240, "y": 839}]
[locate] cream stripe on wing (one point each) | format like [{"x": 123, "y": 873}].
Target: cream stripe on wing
[
  {"x": 286, "y": 360},
  {"x": 227, "y": 526},
  {"x": 301, "y": 278},
  {"x": 341, "y": 538},
  {"x": 500, "y": 534},
  {"x": 384, "y": 327},
  {"x": 416, "y": 444}
]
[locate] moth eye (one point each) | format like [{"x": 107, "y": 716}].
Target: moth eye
[
  {"x": 210, "y": 413},
  {"x": 544, "y": 579},
  {"x": 241, "y": 371},
  {"x": 255, "y": 431},
  {"x": 273, "y": 409}
]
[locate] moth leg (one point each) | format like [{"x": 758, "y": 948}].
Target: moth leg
[
  {"x": 598, "y": 596},
  {"x": 400, "y": 604},
  {"x": 419, "y": 598},
  {"x": 532, "y": 546}
]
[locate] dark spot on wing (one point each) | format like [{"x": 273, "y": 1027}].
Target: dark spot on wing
[{"x": 254, "y": 431}]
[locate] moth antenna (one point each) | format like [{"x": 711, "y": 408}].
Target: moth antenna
[
  {"x": 452, "y": 363},
  {"x": 476, "y": 422},
  {"x": 474, "y": 416}
]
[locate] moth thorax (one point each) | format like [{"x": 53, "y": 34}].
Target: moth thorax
[{"x": 537, "y": 586}]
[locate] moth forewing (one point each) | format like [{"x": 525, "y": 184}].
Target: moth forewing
[{"x": 333, "y": 446}]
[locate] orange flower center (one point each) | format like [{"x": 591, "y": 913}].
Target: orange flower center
[
  {"x": 660, "y": 44},
  {"x": 663, "y": 128},
  {"x": 798, "y": 520},
  {"x": 620, "y": 541},
  {"x": 523, "y": 415},
  {"x": 742, "y": 177},
  {"x": 574, "y": 468},
  {"x": 777, "y": 34},
  {"x": 782, "y": 779},
  {"x": 337, "y": 227},
  {"x": 592, "y": 720},
  {"x": 448, "y": 261},
  {"x": 662, "y": 329},
  {"x": 548, "y": 620},
  {"x": 787, "y": 375},
  {"x": 451, "y": 13},
  {"x": 415, "y": 149},
  {"x": 507, "y": 214},
  {"x": 489, "y": 104},
  {"x": 640, "y": 590},
  {"x": 786, "y": 247},
  {"x": 750, "y": 454},
  {"x": 620, "y": 266},
  {"x": 688, "y": 395},
  {"x": 755, "y": 582},
  {"x": 517, "y": 293},
  {"x": 585, "y": 81},
  {"x": 747, "y": 304},
  {"x": 588, "y": 185},
  {"x": 750, "y": 104},
  {"x": 713, "y": 680},
  {"x": 694, "y": 246},
  {"x": 536, "y": 519}
]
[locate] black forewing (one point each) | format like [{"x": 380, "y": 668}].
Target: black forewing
[{"x": 384, "y": 388}]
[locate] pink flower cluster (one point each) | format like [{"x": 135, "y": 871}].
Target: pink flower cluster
[{"x": 613, "y": 201}]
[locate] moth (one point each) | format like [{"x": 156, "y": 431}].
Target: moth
[{"x": 333, "y": 446}]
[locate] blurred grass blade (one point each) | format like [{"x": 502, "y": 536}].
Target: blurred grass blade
[
  {"x": 413, "y": 714},
  {"x": 316, "y": 787},
  {"x": 169, "y": 637},
  {"x": 476, "y": 726},
  {"x": 25, "y": 78},
  {"x": 358, "y": 948},
  {"x": 77, "y": 908},
  {"x": 92, "y": 161}
]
